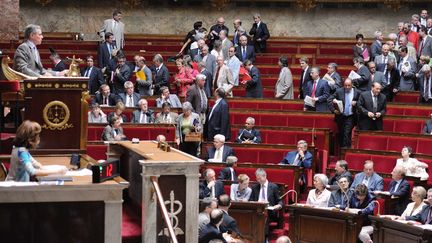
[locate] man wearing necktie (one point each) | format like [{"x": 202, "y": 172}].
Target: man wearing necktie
[
  {"x": 210, "y": 187},
  {"x": 129, "y": 97},
  {"x": 116, "y": 27},
  {"x": 105, "y": 54},
  {"x": 144, "y": 114},
  {"x": 219, "y": 152},
  {"x": 265, "y": 191},
  {"x": 346, "y": 119},
  {"x": 425, "y": 215},
  {"x": 425, "y": 43},
  {"x": 228, "y": 173},
  {"x": 399, "y": 190},
  {"x": 318, "y": 90},
  {"x": 369, "y": 178},
  {"x": 94, "y": 74},
  {"x": 372, "y": 108},
  {"x": 425, "y": 81},
  {"x": 245, "y": 51}
]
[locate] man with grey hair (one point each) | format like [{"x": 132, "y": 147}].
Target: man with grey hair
[
  {"x": 226, "y": 43},
  {"x": 144, "y": 114},
  {"x": 215, "y": 31},
  {"x": 318, "y": 91},
  {"x": 218, "y": 121},
  {"x": 129, "y": 97},
  {"x": 27, "y": 59},
  {"x": 245, "y": 51},
  {"x": 165, "y": 96},
  {"x": 332, "y": 72},
  {"x": 197, "y": 97},
  {"x": 390, "y": 86},
  {"x": 403, "y": 41},
  {"x": 228, "y": 173},
  {"x": 208, "y": 59},
  {"x": 57, "y": 62},
  {"x": 206, "y": 206},
  {"x": 283, "y": 239},
  {"x": 425, "y": 83},
  {"x": 210, "y": 187},
  {"x": 260, "y": 34},
  {"x": 249, "y": 134},
  {"x": 381, "y": 60},
  {"x": 376, "y": 45},
  {"x": 209, "y": 78},
  {"x": 300, "y": 157},
  {"x": 161, "y": 74},
  {"x": 219, "y": 152},
  {"x": 341, "y": 170}
]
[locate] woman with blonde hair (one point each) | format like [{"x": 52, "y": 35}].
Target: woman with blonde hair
[
  {"x": 241, "y": 192},
  {"x": 23, "y": 165},
  {"x": 418, "y": 195},
  {"x": 183, "y": 78}
]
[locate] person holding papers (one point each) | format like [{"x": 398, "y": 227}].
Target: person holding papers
[
  {"x": 343, "y": 103},
  {"x": 143, "y": 78},
  {"x": 23, "y": 165},
  {"x": 333, "y": 77},
  {"x": 360, "y": 49},
  {"x": 316, "y": 93},
  {"x": 362, "y": 77},
  {"x": 320, "y": 196},
  {"x": 407, "y": 68}
]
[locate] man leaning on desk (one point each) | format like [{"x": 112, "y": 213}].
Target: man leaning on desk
[{"x": 27, "y": 59}]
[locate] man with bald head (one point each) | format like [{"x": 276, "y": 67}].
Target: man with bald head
[
  {"x": 215, "y": 31},
  {"x": 347, "y": 118},
  {"x": 244, "y": 51},
  {"x": 369, "y": 178},
  {"x": 372, "y": 108}
]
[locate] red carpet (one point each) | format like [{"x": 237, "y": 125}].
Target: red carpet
[{"x": 131, "y": 225}]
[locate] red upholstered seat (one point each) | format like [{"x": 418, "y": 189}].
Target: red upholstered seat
[
  {"x": 9, "y": 86},
  {"x": 408, "y": 126},
  {"x": 246, "y": 155},
  {"x": 97, "y": 151},
  {"x": 356, "y": 161},
  {"x": 384, "y": 164},
  {"x": 397, "y": 143},
  {"x": 366, "y": 141},
  {"x": 271, "y": 156},
  {"x": 424, "y": 146}
]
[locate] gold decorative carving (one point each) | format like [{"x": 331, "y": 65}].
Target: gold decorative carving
[
  {"x": 56, "y": 85},
  {"x": 306, "y": 5},
  {"x": 219, "y": 4},
  {"x": 11, "y": 74},
  {"x": 172, "y": 213},
  {"x": 393, "y": 4},
  {"x": 56, "y": 114},
  {"x": 74, "y": 70}
]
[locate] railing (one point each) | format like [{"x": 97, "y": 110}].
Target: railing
[{"x": 161, "y": 203}]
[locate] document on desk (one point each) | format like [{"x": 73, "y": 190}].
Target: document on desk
[
  {"x": 15, "y": 183},
  {"x": 81, "y": 172}
]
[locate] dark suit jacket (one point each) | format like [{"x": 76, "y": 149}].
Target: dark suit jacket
[
  {"x": 209, "y": 82},
  {"x": 111, "y": 115},
  {"x": 422, "y": 87},
  {"x": 272, "y": 194},
  {"x": 161, "y": 79},
  {"x": 334, "y": 179},
  {"x": 289, "y": 158},
  {"x": 307, "y": 79},
  {"x": 112, "y": 99},
  {"x": 136, "y": 116},
  {"x": 428, "y": 127},
  {"x": 225, "y": 174},
  {"x": 340, "y": 95},
  {"x": 210, "y": 232},
  {"x": 250, "y": 53},
  {"x": 95, "y": 79},
  {"x": 375, "y": 49},
  {"x": 362, "y": 83},
  {"x": 103, "y": 55},
  {"x": 60, "y": 66},
  {"x": 365, "y": 105},
  {"x": 204, "y": 191},
  {"x": 254, "y": 87},
  {"x": 120, "y": 78},
  {"x": 402, "y": 193},
  {"x": 227, "y": 151},
  {"x": 136, "y": 97},
  {"x": 422, "y": 216},
  {"x": 229, "y": 224},
  {"x": 193, "y": 96},
  {"x": 253, "y": 135},
  {"x": 322, "y": 92},
  {"x": 219, "y": 122},
  {"x": 260, "y": 33},
  {"x": 389, "y": 84}
]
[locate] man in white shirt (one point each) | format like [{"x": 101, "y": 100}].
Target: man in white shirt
[
  {"x": 129, "y": 97},
  {"x": 219, "y": 152},
  {"x": 144, "y": 114}
]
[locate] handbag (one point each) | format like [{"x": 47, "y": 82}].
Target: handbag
[{"x": 193, "y": 137}]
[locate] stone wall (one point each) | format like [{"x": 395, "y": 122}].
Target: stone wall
[
  {"x": 87, "y": 17},
  {"x": 9, "y": 19}
]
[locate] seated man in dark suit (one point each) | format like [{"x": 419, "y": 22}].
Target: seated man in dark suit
[
  {"x": 428, "y": 126},
  {"x": 219, "y": 152},
  {"x": 424, "y": 216},
  {"x": 211, "y": 230},
  {"x": 210, "y": 187},
  {"x": 58, "y": 63},
  {"x": 300, "y": 157},
  {"x": 268, "y": 192},
  {"x": 249, "y": 134},
  {"x": 144, "y": 114},
  {"x": 228, "y": 173},
  {"x": 129, "y": 97},
  {"x": 229, "y": 225},
  {"x": 104, "y": 97},
  {"x": 399, "y": 190},
  {"x": 340, "y": 197},
  {"x": 341, "y": 170}
]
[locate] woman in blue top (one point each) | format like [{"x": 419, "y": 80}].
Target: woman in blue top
[{"x": 22, "y": 163}]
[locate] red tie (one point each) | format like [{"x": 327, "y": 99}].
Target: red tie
[{"x": 314, "y": 89}]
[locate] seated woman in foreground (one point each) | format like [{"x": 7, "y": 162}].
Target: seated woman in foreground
[
  {"x": 241, "y": 192},
  {"x": 23, "y": 165},
  {"x": 412, "y": 166},
  {"x": 319, "y": 196}
]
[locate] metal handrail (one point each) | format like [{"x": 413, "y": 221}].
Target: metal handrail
[{"x": 163, "y": 208}]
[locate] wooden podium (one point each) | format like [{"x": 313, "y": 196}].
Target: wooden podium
[
  {"x": 59, "y": 105},
  {"x": 308, "y": 224},
  {"x": 177, "y": 176},
  {"x": 386, "y": 230},
  {"x": 251, "y": 219}
]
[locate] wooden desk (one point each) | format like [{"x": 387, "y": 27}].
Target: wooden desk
[
  {"x": 250, "y": 218},
  {"x": 389, "y": 231},
  {"x": 78, "y": 210},
  {"x": 317, "y": 225},
  {"x": 177, "y": 175}
]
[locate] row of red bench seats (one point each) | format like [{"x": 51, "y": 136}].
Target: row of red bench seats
[{"x": 387, "y": 141}]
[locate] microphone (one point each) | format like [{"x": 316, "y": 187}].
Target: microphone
[
  {"x": 286, "y": 193},
  {"x": 345, "y": 192}
]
